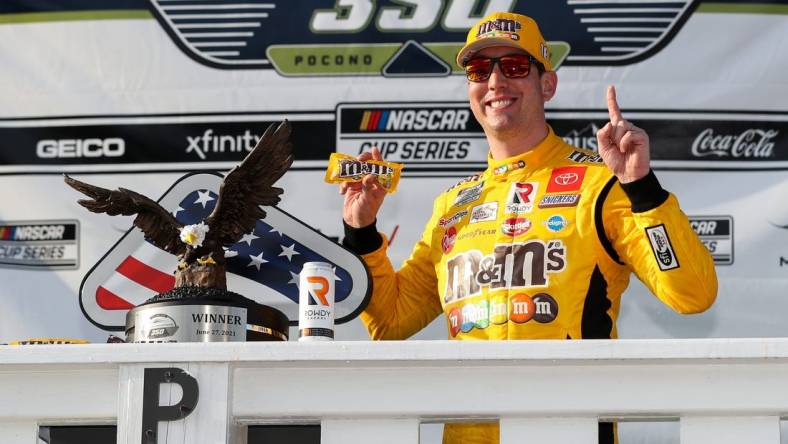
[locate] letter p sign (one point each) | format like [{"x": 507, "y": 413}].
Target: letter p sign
[{"x": 152, "y": 412}]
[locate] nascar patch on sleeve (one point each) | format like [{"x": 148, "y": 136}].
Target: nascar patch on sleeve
[{"x": 662, "y": 248}]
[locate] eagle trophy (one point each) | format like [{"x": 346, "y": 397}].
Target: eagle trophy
[{"x": 200, "y": 247}]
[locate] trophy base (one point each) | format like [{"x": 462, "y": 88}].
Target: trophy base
[{"x": 198, "y": 314}]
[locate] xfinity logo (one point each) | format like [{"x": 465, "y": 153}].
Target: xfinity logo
[
  {"x": 209, "y": 143},
  {"x": 79, "y": 148},
  {"x": 750, "y": 144}
]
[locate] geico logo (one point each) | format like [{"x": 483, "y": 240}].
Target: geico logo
[
  {"x": 74, "y": 148},
  {"x": 39, "y": 232},
  {"x": 425, "y": 119}
]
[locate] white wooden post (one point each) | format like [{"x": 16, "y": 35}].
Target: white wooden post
[
  {"x": 209, "y": 423},
  {"x": 22, "y": 432},
  {"x": 730, "y": 430},
  {"x": 552, "y": 430},
  {"x": 379, "y": 431}
]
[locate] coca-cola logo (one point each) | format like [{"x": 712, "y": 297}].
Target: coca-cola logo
[{"x": 753, "y": 143}]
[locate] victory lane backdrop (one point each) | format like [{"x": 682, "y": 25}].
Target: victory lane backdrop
[{"x": 137, "y": 93}]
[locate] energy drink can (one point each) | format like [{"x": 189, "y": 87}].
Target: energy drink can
[{"x": 316, "y": 302}]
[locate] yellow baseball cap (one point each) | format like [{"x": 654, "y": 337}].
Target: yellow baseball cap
[{"x": 506, "y": 29}]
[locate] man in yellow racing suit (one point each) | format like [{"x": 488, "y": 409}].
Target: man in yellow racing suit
[{"x": 541, "y": 244}]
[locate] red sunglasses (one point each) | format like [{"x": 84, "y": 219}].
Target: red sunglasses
[{"x": 513, "y": 66}]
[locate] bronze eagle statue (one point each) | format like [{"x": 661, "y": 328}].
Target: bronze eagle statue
[{"x": 200, "y": 247}]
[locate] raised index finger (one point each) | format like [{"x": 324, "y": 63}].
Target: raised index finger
[{"x": 612, "y": 106}]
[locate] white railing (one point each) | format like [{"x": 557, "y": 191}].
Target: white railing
[{"x": 721, "y": 390}]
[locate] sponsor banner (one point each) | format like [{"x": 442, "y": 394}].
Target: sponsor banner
[
  {"x": 158, "y": 94},
  {"x": 430, "y": 138},
  {"x": 716, "y": 233},
  {"x": 41, "y": 244},
  {"x": 711, "y": 140},
  {"x": 434, "y": 137},
  {"x": 147, "y": 143}
]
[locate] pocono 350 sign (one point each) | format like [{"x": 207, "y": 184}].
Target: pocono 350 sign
[
  {"x": 263, "y": 266},
  {"x": 432, "y": 32}
]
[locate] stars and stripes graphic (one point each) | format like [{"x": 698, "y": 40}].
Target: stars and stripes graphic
[
  {"x": 266, "y": 256},
  {"x": 264, "y": 265}
]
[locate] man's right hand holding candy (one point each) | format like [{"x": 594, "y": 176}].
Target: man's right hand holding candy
[{"x": 363, "y": 199}]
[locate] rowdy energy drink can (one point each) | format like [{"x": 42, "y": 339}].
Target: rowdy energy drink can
[{"x": 316, "y": 302}]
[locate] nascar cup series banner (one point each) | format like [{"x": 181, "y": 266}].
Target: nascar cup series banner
[{"x": 141, "y": 93}]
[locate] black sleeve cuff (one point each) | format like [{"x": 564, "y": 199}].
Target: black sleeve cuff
[
  {"x": 362, "y": 240},
  {"x": 645, "y": 193}
]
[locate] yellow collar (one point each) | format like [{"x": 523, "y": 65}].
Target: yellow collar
[{"x": 529, "y": 160}]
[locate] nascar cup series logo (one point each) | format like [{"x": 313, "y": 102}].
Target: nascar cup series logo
[
  {"x": 420, "y": 134},
  {"x": 40, "y": 244}
]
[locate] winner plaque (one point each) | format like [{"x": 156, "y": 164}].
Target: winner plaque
[{"x": 199, "y": 308}]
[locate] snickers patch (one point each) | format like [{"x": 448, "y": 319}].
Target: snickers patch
[{"x": 559, "y": 200}]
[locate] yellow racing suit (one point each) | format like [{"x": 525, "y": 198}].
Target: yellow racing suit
[{"x": 538, "y": 246}]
